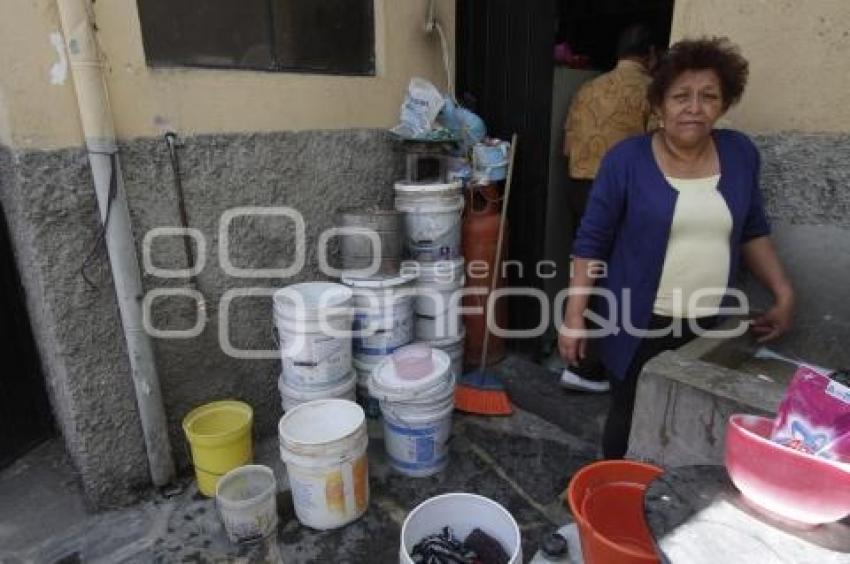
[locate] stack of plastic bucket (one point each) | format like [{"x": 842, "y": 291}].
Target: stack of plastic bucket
[
  {"x": 606, "y": 499},
  {"x": 313, "y": 321},
  {"x": 383, "y": 322},
  {"x": 432, "y": 219},
  {"x": 417, "y": 413},
  {"x": 323, "y": 444},
  {"x": 439, "y": 323}
]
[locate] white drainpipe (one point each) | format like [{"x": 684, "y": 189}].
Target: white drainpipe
[{"x": 98, "y": 128}]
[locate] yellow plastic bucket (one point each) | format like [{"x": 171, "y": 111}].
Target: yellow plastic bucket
[{"x": 219, "y": 435}]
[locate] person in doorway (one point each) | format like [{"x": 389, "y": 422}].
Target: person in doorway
[
  {"x": 672, "y": 213},
  {"x": 604, "y": 111}
]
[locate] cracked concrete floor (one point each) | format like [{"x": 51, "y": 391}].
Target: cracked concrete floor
[{"x": 523, "y": 461}]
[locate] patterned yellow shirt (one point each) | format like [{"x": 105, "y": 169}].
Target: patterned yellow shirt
[{"x": 604, "y": 111}]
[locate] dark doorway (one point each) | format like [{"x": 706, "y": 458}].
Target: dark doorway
[
  {"x": 25, "y": 417},
  {"x": 504, "y": 67},
  {"x": 506, "y": 72}
]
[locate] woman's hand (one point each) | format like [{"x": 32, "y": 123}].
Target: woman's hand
[
  {"x": 774, "y": 322},
  {"x": 761, "y": 259},
  {"x": 571, "y": 339}
]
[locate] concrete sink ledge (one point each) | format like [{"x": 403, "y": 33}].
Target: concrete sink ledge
[{"x": 685, "y": 398}]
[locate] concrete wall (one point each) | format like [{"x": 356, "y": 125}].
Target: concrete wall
[
  {"x": 313, "y": 143},
  {"x": 798, "y": 53},
  {"x": 797, "y": 107}
]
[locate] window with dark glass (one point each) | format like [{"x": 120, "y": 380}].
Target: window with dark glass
[{"x": 317, "y": 36}]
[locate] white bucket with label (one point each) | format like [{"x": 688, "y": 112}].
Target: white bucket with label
[
  {"x": 437, "y": 306},
  {"x": 417, "y": 415},
  {"x": 454, "y": 348},
  {"x": 246, "y": 498},
  {"x": 323, "y": 444},
  {"x": 462, "y": 512},
  {"x": 383, "y": 314},
  {"x": 293, "y": 396},
  {"x": 432, "y": 219},
  {"x": 313, "y": 321}
]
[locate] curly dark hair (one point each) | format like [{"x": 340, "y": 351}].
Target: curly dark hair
[{"x": 716, "y": 53}]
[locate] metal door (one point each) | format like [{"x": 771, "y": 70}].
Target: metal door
[{"x": 504, "y": 71}]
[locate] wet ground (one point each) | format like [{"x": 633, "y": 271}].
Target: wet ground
[{"x": 523, "y": 461}]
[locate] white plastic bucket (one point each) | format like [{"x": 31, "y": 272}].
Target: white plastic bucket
[
  {"x": 323, "y": 444},
  {"x": 432, "y": 221},
  {"x": 462, "y": 512},
  {"x": 454, "y": 348},
  {"x": 417, "y": 416},
  {"x": 313, "y": 321},
  {"x": 383, "y": 314},
  {"x": 437, "y": 306},
  {"x": 246, "y": 499},
  {"x": 293, "y": 396}
]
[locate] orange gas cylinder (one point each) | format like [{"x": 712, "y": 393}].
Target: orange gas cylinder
[{"x": 480, "y": 234}]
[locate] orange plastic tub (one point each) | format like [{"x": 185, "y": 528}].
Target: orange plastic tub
[{"x": 606, "y": 499}]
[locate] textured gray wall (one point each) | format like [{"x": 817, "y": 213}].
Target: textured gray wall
[
  {"x": 806, "y": 183},
  {"x": 51, "y": 207}
]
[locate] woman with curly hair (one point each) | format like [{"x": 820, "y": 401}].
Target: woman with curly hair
[{"x": 672, "y": 214}]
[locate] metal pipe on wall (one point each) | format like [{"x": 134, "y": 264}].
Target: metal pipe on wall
[{"x": 98, "y": 127}]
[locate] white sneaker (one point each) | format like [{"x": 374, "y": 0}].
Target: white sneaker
[{"x": 572, "y": 381}]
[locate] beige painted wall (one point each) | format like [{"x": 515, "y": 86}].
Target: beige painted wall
[
  {"x": 38, "y": 106},
  {"x": 799, "y": 53}
]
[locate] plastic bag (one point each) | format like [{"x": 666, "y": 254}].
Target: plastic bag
[
  {"x": 419, "y": 110},
  {"x": 814, "y": 416},
  {"x": 490, "y": 160},
  {"x": 466, "y": 126}
]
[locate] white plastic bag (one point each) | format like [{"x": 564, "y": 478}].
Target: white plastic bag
[{"x": 420, "y": 108}]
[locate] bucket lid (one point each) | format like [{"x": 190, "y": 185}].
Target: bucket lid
[
  {"x": 414, "y": 188},
  {"x": 313, "y": 296},
  {"x": 386, "y": 384},
  {"x": 382, "y": 282},
  {"x": 319, "y": 423}
]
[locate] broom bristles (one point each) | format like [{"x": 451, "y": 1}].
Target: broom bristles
[{"x": 482, "y": 402}]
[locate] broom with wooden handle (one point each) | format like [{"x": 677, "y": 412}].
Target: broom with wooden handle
[{"x": 482, "y": 392}]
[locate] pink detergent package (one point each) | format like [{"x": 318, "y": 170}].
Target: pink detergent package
[{"x": 814, "y": 416}]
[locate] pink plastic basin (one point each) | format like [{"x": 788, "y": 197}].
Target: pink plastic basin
[{"x": 792, "y": 484}]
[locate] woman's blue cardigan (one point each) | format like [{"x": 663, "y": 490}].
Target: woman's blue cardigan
[{"x": 627, "y": 224}]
